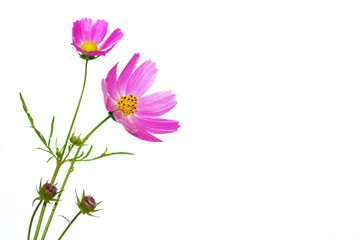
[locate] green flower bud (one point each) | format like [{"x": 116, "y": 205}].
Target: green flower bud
[{"x": 76, "y": 140}]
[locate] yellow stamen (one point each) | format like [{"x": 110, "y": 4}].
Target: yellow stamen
[
  {"x": 89, "y": 47},
  {"x": 127, "y": 104}
]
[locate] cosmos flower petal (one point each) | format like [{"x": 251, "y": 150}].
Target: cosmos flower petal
[
  {"x": 85, "y": 29},
  {"x": 110, "y": 104},
  {"x": 156, "y": 104},
  {"x": 125, "y": 74},
  {"x": 76, "y": 33},
  {"x": 128, "y": 125},
  {"x": 157, "y": 125},
  {"x": 111, "y": 84},
  {"x": 112, "y": 40},
  {"x": 79, "y": 48},
  {"x": 144, "y": 135},
  {"x": 98, "y": 31},
  {"x": 142, "y": 79}
]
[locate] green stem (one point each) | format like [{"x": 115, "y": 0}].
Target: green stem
[
  {"x": 77, "y": 109},
  {"x": 68, "y": 174},
  {"x": 69, "y": 225},
  {"x": 40, "y": 220},
  {"x": 32, "y": 218},
  {"x": 70, "y": 148},
  {"x": 58, "y": 165}
]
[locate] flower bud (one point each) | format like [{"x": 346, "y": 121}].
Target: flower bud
[
  {"x": 47, "y": 192},
  {"x": 87, "y": 204},
  {"x": 76, "y": 140}
]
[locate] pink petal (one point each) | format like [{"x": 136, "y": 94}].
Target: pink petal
[
  {"x": 144, "y": 135},
  {"x": 156, "y": 104},
  {"x": 142, "y": 79},
  {"x": 110, "y": 104},
  {"x": 111, "y": 84},
  {"x": 85, "y": 29},
  {"x": 76, "y": 33},
  {"x": 133, "y": 128},
  {"x": 112, "y": 40},
  {"x": 125, "y": 74},
  {"x": 157, "y": 125},
  {"x": 126, "y": 121},
  {"x": 98, "y": 31}
]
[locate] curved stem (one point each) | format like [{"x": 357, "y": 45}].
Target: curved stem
[
  {"x": 32, "y": 218},
  {"x": 69, "y": 225},
  {"x": 77, "y": 109},
  {"x": 40, "y": 220},
  {"x": 68, "y": 174}
]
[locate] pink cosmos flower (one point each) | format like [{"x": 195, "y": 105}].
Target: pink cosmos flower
[
  {"x": 88, "y": 35},
  {"x": 137, "y": 113}
]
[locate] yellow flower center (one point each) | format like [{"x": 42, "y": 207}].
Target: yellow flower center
[
  {"x": 89, "y": 47},
  {"x": 127, "y": 104}
]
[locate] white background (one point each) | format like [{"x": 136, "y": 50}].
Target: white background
[{"x": 268, "y": 103}]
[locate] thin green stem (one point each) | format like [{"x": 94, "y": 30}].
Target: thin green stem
[
  {"x": 68, "y": 226},
  {"x": 77, "y": 109},
  {"x": 32, "y": 218},
  {"x": 40, "y": 220},
  {"x": 68, "y": 174},
  {"x": 95, "y": 128},
  {"x": 70, "y": 148},
  {"x": 58, "y": 165}
]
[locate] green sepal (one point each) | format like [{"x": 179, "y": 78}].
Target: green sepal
[
  {"x": 87, "y": 56},
  {"x": 111, "y": 114}
]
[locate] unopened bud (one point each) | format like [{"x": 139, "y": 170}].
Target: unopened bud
[
  {"x": 76, "y": 140},
  {"x": 87, "y": 204},
  {"x": 47, "y": 192}
]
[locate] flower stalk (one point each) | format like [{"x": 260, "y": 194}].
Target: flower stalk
[
  {"x": 70, "y": 223},
  {"x": 32, "y": 219},
  {"x": 76, "y": 111}
]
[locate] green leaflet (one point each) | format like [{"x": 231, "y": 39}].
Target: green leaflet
[
  {"x": 104, "y": 154},
  {"x": 51, "y": 130},
  {"x": 32, "y": 125}
]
